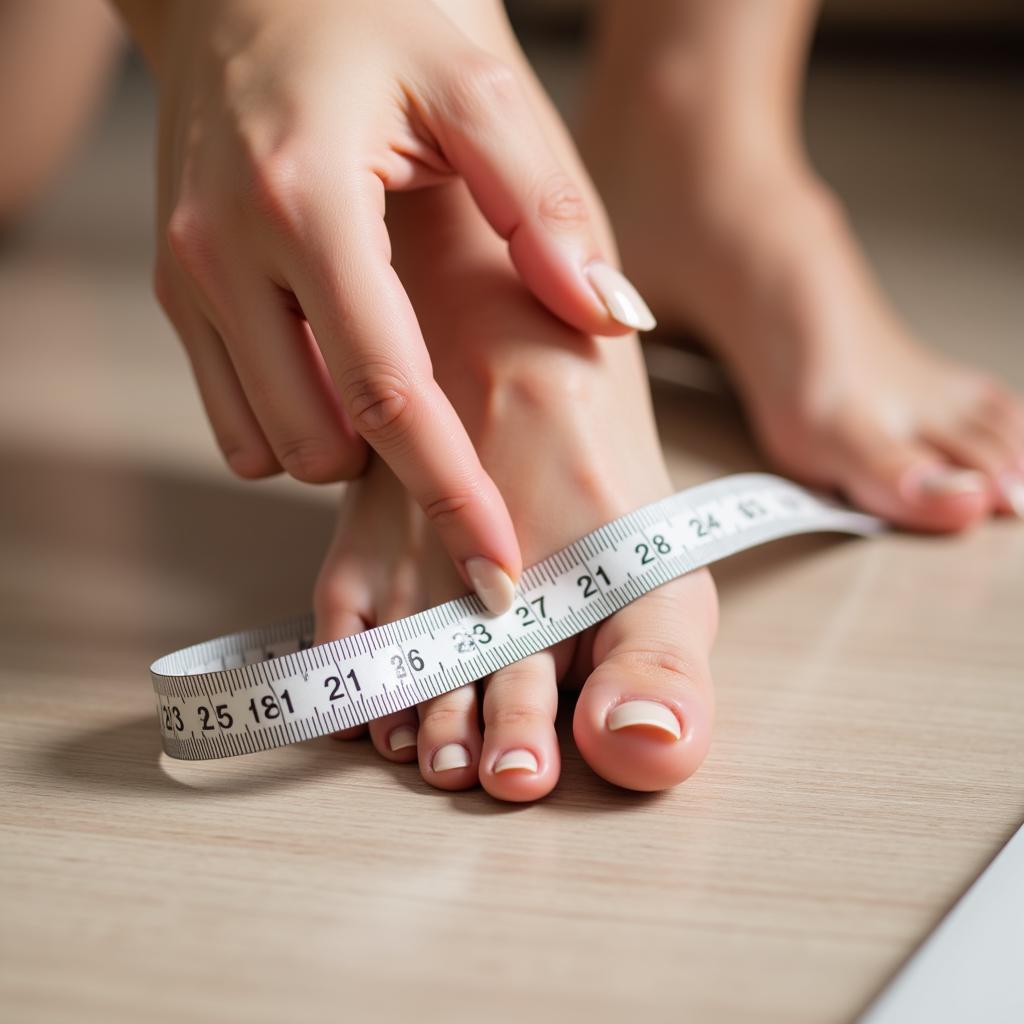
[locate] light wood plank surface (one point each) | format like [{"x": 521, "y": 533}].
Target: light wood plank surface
[{"x": 868, "y": 755}]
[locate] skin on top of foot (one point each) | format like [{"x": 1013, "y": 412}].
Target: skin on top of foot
[{"x": 563, "y": 424}]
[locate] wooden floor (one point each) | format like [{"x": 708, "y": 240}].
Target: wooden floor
[{"x": 869, "y": 757}]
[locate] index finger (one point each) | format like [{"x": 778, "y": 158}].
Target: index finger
[{"x": 366, "y": 329}]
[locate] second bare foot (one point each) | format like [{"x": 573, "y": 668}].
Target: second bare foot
[{"x": 746, "y": 247}]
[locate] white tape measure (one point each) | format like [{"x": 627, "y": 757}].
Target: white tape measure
[{"x": 267, "y": 687}]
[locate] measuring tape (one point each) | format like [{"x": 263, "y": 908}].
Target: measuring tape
[{"x": 268, "y": 687}]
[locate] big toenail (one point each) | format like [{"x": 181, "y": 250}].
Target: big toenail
[
  {"x": 1012, "y": 487},
  {"x": 401, "y": 738},
  {"x": 953, "y": 481},
  {"x": 644, "y": 713},
  {"x": 450, "y": 757},
  {"x": 516, "y": 760}
]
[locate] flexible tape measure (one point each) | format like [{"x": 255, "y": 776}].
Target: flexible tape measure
[{"x": 268, "y": 687}]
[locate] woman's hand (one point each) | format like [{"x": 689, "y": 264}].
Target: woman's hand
[{"x": 283, "y": 125}]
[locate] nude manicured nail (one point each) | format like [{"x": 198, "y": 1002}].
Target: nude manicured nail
[
  {"x": 620, "y": 298},
  {"x": 1012, "y": 487},
  {"x": 516, "y": 760},
  {"x": 953, "y": 481},
  {"x": 647, "y": 713},
  {"x": 401, "y": 738},
  {"x": 450, "y": 757},
  {"x": 492, "y": 584}
]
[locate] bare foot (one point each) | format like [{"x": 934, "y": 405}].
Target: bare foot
[
  {"x": 751, "y": 251},
  {"x": 563, "y": 424}
]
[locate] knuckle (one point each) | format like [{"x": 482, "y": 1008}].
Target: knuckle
[
  {"x": 443, "y": 717},
  {"x": 516, "y": 716},
  {"x": 560, "y": 203},
  {"x": 656, "y": 659},
  {"x": 480, "y": 86},
  {"x": 311, "y": 459},
  {"x": 278, "y": 188},
  {"x": 442, "y": 512},
  {"x": 378, "y": 401},
  {"x": 249, "y": 462},
  {"x": 189, "y": 239}
]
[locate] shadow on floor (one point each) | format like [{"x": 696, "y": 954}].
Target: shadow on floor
[
  {"x": 104, "y": 559},
  {"x": 126, "y": 757}
]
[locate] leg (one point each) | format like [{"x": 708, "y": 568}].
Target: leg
[
  {"x": 692, "y": 133},
  {"x": 55, "y": 59}
]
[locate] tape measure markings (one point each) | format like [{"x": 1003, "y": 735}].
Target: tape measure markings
[{"x": 267, "y": 687}]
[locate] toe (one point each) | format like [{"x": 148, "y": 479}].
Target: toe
[
  {"x": 449, "y": 742},
  {"x": 1011, "y": 492},
  {"x": 520, "y": 760},
  {"x": 907, "y": 481},
  {"x": 643, "y": 720},
  {"x": 977, "y": 445},
  {"x": 1003, "y": 411},
  {"x": 396, "y": 736},
  {"x": 985, "y": 446}
]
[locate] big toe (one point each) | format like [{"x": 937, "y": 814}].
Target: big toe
[
  {"x": 644, "y": 717},
  {"x": 907, "y": 480}
]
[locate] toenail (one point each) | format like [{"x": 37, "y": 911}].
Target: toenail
[
  {"x": 516, "y": 760},
  {"x": 449, "y": 757},
  {"x": 1012, "y": 487},
  {"x": 647, "y": 713},
  {"x": 953, "y": 481},
  {"x": 401, "y": 738}
]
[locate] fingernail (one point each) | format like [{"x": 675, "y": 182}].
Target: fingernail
[
  {"x": 647, "y": 713},
  {"x": 401, "y": 738},
  {"x": 449, "y": 757},
  {"x": 492, "y": 584},
  {"x": 620, "y": 298},
  {"x": 516, "y": 760},
  {"x": 1012, "y": 487},
  {"x": 953, "y": 481}
]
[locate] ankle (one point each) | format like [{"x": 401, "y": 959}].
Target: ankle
[{"x": 666, "y": 99}]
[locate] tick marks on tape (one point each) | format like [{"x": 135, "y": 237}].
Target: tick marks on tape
[{"x": 268, "y": 687}]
